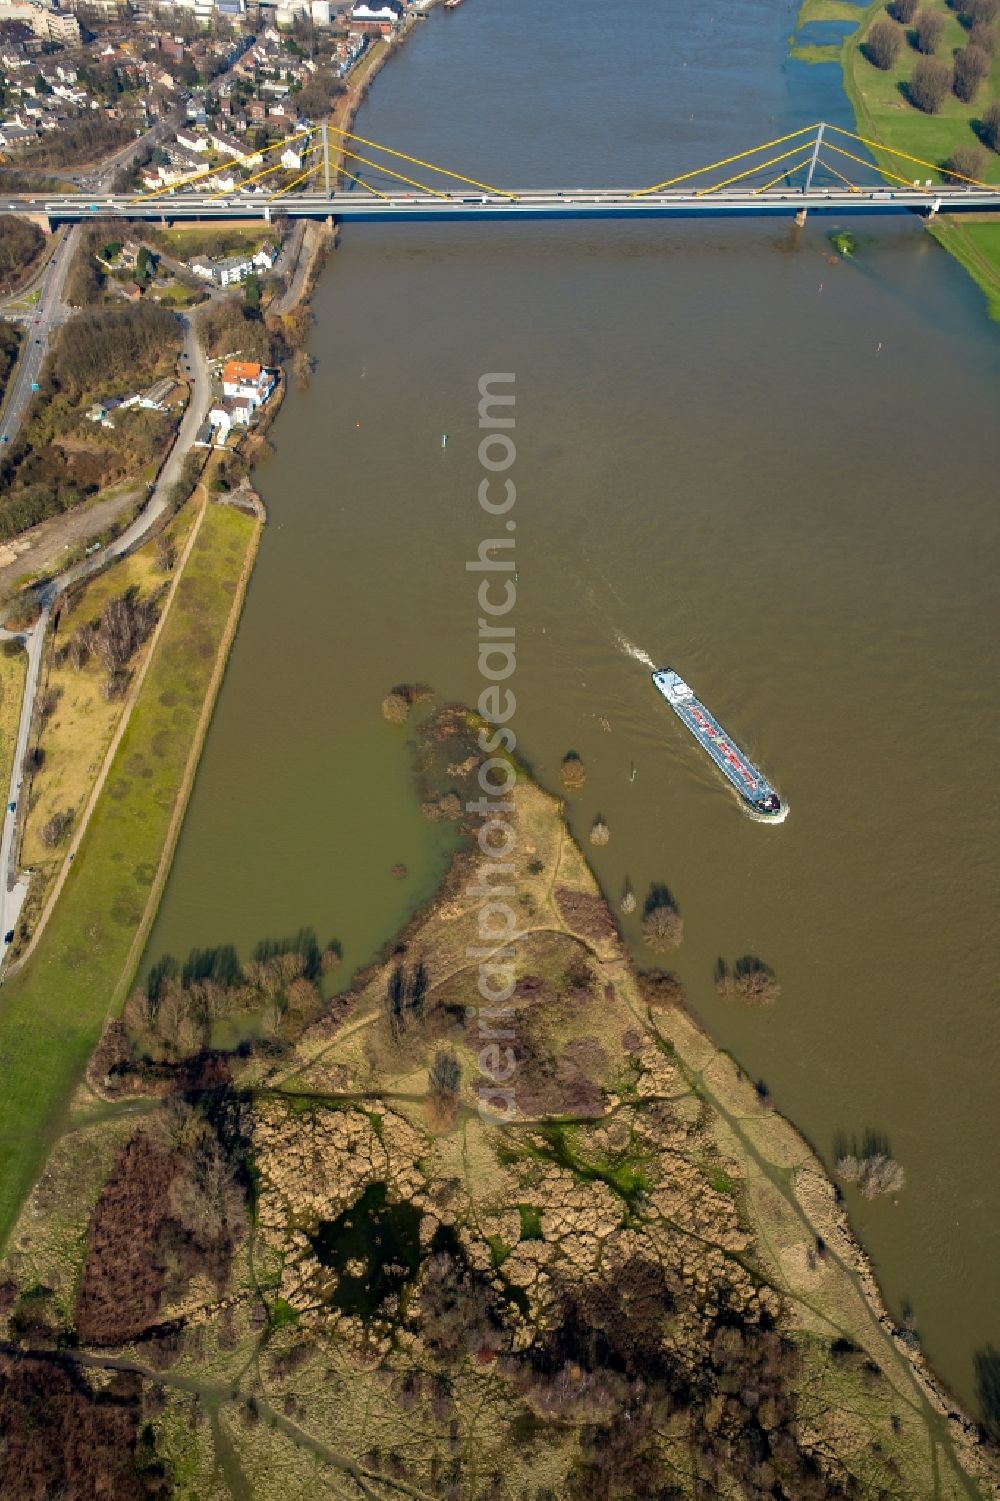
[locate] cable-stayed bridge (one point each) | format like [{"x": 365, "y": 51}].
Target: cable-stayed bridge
[{"x": 324, "y": 175}]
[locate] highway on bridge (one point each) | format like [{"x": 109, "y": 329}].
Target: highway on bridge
[{"x": 530, "y": 203}]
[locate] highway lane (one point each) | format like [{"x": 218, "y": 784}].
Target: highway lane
[
  {"x": 581, "y": 203},
  {"x": 37, "y": 327},
  {"x": 14, "y": 889}
]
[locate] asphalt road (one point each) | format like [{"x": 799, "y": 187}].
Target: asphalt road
[
  {"x": 14, "y": 887},
  {"x": 48, "y": 313}
]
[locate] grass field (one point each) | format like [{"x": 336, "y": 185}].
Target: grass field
[
  {"x": 223, "y": 241},
  {"x": 76, "y": 736},
  {"x": 12, "y": 671},
  {"x": 51, "y": 1013},
  {"x": 884, "y": 114}
]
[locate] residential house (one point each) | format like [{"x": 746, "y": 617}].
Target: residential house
[
  {"x": 291, "y": 158},
  {"x": 226, "y": 144},
  {"x": 191, "y": 140},
  {"x": 245, "y": 380}
]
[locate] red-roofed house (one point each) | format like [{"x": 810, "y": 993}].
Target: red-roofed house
[{"x": 245, "y": 380}]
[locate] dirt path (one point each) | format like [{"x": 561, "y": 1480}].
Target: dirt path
[{"x": 37, "y": 550}]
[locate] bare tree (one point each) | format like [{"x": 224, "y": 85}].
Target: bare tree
[
  {"x": 445, "y": 1077},
  {"x": 965, "y": 162},
  {"x": 971, "y": 66},
  {"x": 984, "y": 36},
  {"x": 990, "y": 127},
  {"x": 662, "y": 924},
  {"x": 58, "y": 826},
  {"x": 929, "y": 85},
  {"x": 927, "y": 28},
  {"x": 882, "y": 45}
]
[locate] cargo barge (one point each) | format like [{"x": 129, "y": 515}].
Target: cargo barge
[{"x": 752, "y": 786}]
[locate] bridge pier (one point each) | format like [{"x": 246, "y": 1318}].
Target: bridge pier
[{"x": 800, "y": 217}]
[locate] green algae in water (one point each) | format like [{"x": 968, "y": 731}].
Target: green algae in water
[{"x": 384, "y": 1238}]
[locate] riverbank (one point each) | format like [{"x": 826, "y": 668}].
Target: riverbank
[
  {"x": 883, "y": 113},
  {"x": 52, "y": 1010},
  {"x": 640, "y": 1197}
]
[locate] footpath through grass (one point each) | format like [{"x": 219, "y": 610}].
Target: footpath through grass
[{"x": 52, "y": 1012}]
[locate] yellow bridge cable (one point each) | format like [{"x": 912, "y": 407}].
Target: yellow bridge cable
[
  {"x": 184, "y": 182},
  {"x": 827, "y": 167},
  {"x": 391, "y": 172},
  {"x": 265, "y": 172},
  {"x": 416, "y": 161},
  {"x": 933, "y": 166},
  {"x": 296, "y": 180},
  {"x": 861, "y": 161},
  {"x": 785, "y": 172},
  {"x": 740, "y": 156},
  {"x": 749, "y": 171},
  {"x": 362, "y": 184}
]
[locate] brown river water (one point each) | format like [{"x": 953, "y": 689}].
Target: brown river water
[{"x": 769, "y": 468}]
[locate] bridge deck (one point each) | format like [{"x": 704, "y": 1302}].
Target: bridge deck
[{"x": 529, "y": 204}]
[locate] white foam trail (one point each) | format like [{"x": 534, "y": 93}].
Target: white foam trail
[{"x": 631, "y": 650}]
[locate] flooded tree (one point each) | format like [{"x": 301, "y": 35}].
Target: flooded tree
[
  {"x": 662, "y": 924},
  {"x": 869, "y": 1165},
  {"x": 572, "y": 772}
]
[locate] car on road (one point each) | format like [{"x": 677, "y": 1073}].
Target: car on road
[
  {"x": 11, "y": 807},
  {"x": 8, "y": 937},
  {"x": 35, "y": 386}
]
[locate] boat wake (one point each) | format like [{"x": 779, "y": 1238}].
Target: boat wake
[
  {"x": 765, "y": 818},
  {"x": 636, "y": 652}
]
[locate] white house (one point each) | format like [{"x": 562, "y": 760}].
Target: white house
[
  {"x": 191, "y": 141},
  {"x": 245, "y": 380},
  {"x": 291, "y": 158}
]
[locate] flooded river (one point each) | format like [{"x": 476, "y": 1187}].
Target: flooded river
[{"x": 762, "y": 465}]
